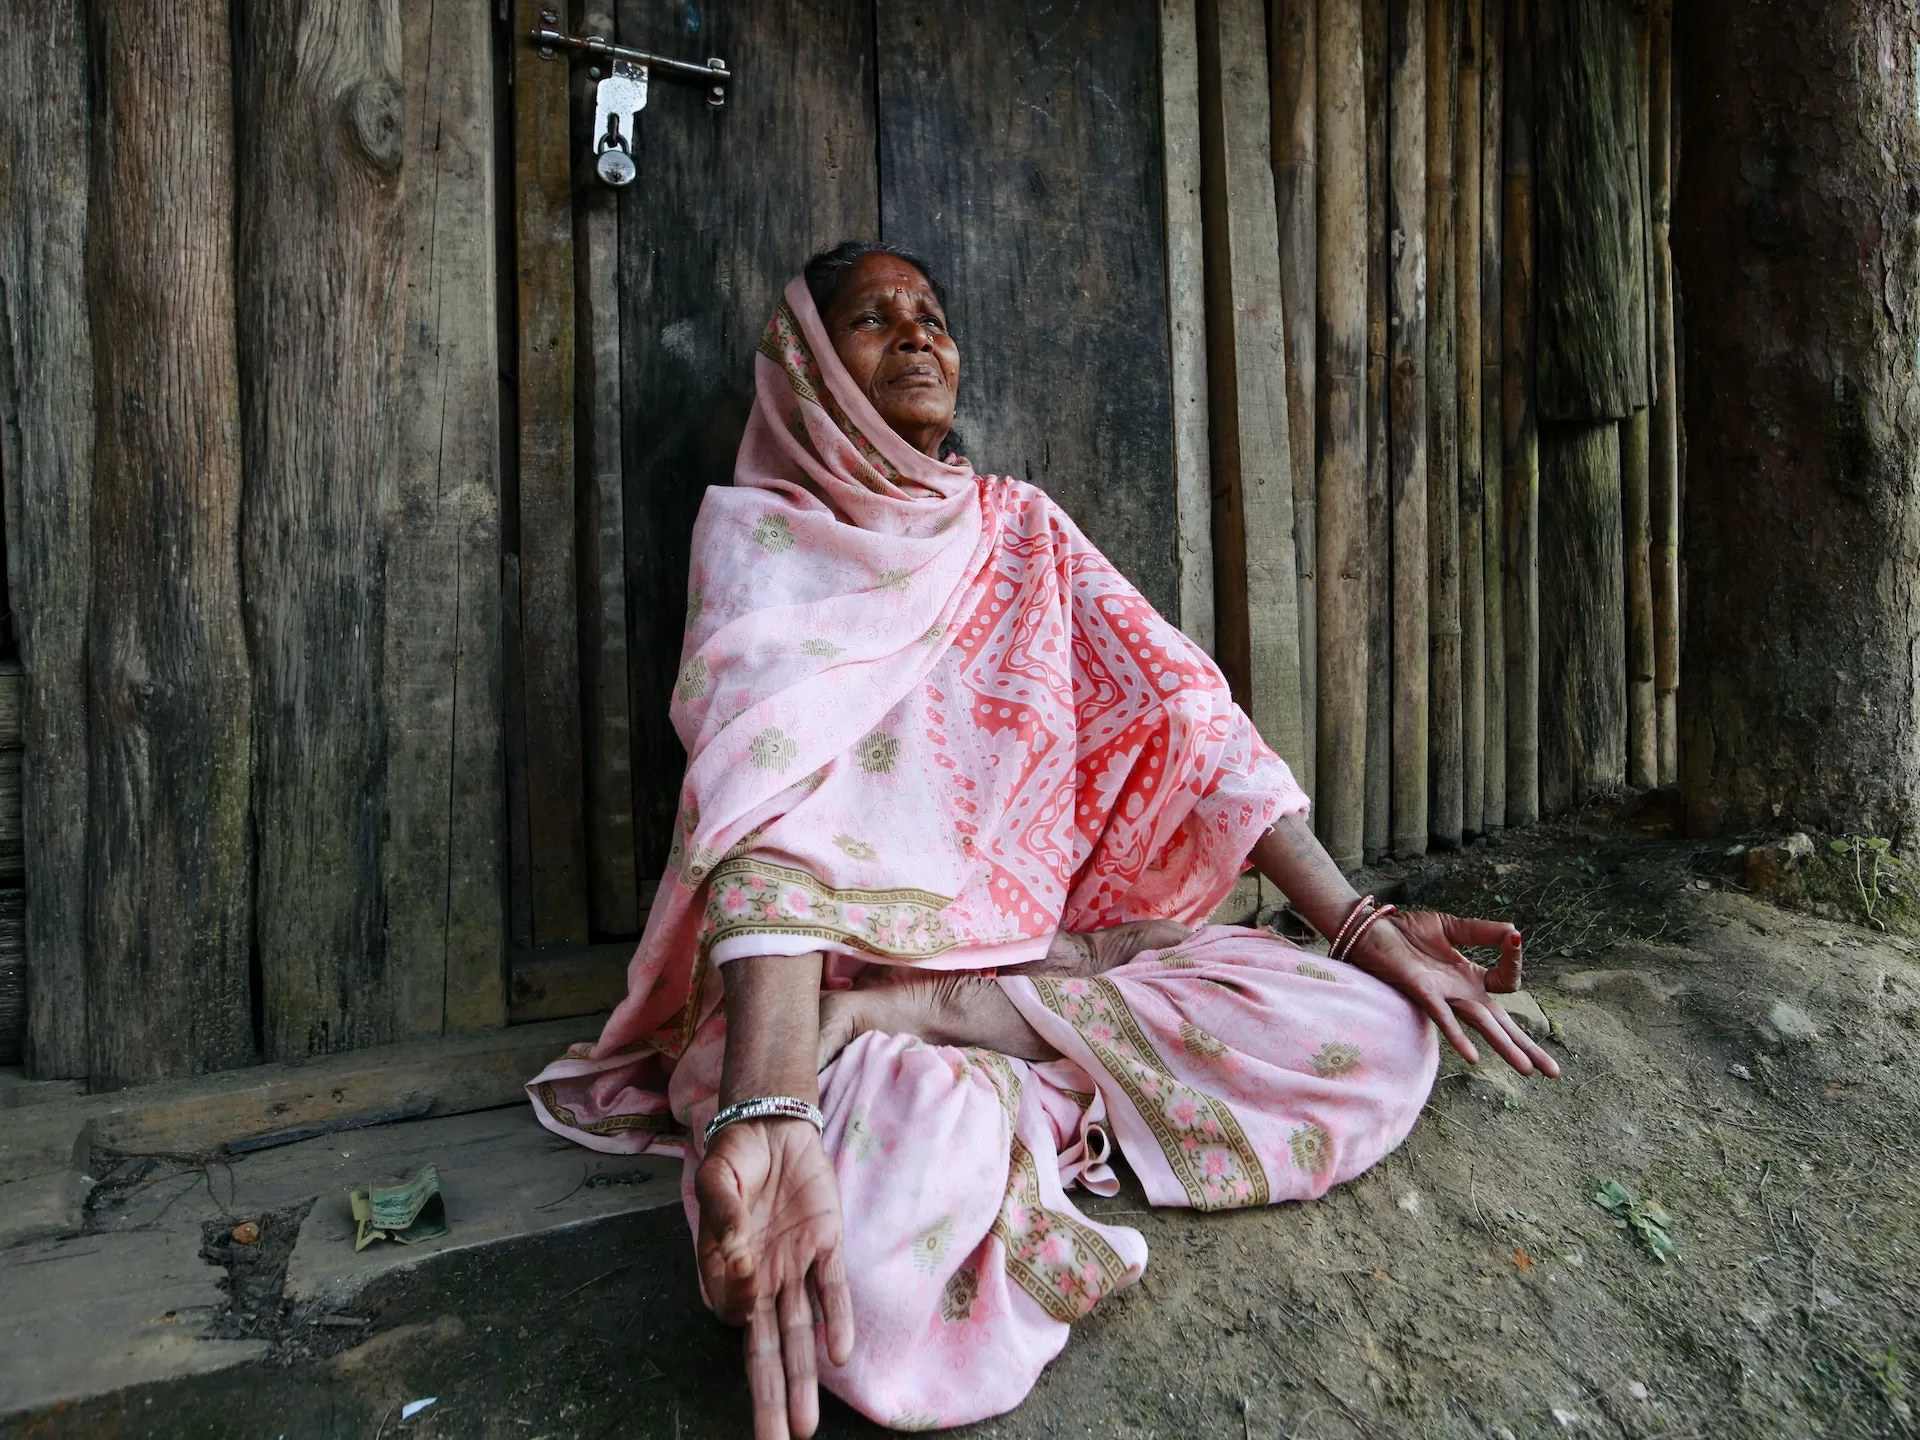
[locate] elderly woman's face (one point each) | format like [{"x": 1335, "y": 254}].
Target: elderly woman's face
[{"x": 891, "y": 334}]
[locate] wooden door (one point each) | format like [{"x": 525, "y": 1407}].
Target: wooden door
[{"x": 1018, "y": 149}]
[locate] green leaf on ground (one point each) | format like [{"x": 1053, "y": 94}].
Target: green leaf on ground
[{"x": 1647, "y": 1223}]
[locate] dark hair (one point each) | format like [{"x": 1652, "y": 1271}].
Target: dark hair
[{"x": 828, "y": 272}]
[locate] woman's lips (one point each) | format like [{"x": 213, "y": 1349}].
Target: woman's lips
[{"x": 919, "y": 375}]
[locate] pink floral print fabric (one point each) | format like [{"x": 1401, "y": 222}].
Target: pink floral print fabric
[{"x": 929, "y": 725}]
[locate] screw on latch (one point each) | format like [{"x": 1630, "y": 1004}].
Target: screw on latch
[{"x": 717, "y": 95}]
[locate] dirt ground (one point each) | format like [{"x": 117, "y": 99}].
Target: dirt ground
[{"x": 1745, "y": 1071}]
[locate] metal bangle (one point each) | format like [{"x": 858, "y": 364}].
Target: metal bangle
[
  {"x": 1360, "y": 907},
  {"x": 766, "y": 1107},
  {"x": 1365, "y": 925}
]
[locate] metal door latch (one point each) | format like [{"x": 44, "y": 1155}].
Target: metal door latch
[{"x": 621, "y": 94}]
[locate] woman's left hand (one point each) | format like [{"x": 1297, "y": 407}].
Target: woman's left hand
[{"x": 1418, "y": 952}]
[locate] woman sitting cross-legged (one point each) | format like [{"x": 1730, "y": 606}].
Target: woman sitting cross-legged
[{"x": 956, "y": 797}]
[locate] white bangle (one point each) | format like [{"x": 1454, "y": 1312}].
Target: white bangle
[{"x": 766, "y": 1107}]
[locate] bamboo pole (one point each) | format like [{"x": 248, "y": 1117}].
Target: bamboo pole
[
  {"x": 1443, "y": 430},
  {"x": 1664, "y": 479},
  {"x": 1473, "y": 655},
  {"x": 1642, "y": 766},
  {"x": 1493, "y": 800},
  {"x": 1520, "y": 437},
  {"x": 1379, "y": 818},
  {"x": 1295, "y": 74},
  {"x": 1407, "y": 413},
  {"x": 1341, "y": 475}
]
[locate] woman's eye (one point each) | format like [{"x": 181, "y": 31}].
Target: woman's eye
[{"x": 933, "y": 322}]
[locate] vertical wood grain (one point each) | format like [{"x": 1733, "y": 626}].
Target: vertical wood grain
[
  {"x": 1583, "y": 670},
  {"x": 1341, "y": 425},
  {"x": 1520, "y": 440},
  {"x": 1407, "y": 421},
  {"x": 1187, "y": 315},
  {"x": 46, "y": 457},
  {"x": 1493, "y": 800},
  {"x": 1294, "y": 75},
  {"x": 444, "y": 858},
  {"x": 727, "y": 208},
  {"x": 170, "y": 703},
  {"x": 1664, "y": 480},
  {"x": 1473, "y": 614},
  {"x": 1256, "y": 579},
  {"x": 1379, "y": 798},
  {"x": 1444, "y": 820},
  {"x": 549, "y": 581},
  {"x": 1642, "y": 739}
]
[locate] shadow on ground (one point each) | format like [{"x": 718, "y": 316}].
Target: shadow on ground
[{"x": 1746, "y": 1071}]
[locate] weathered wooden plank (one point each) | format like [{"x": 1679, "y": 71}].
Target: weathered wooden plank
[
  {"x": 444, "y": 1075},
  {"x": 1493, "y": 799},
  {"x": 1187, "y": 315},
  {"x": 1583, "y": 667},
  {"x": 13, "y": 688},
  {"x": 1445, "y": 778},
  {"x": 513, "y": 742},
  {"x": 549, "y": 583},
  {"x": 1379, "y": 800},
  {"x": 1246, "y": 362},
  {"x": 1407, "y": 420},
  {"x": 1520, "y": 441},
  {"x": 613, "y": 894},
  {"x": 46, "y": 456},
  {"x": 1642, "y": 738},
  {"x": 1341, "y": 481},
  {"x": 1592, "y": 362},
  {"x": 1020, "y": 154},
  {"x": 728, "y": 206},
  {"x": 1473, "y": 614},
  {"x": 1292, "y": 55},
  {"x": 1664, "y": 480},
  {"x": 318, "y": 264},
  {"x": 13, "y": 976},
  {"x": 559, "y": 983},
  {"x": 170, "y": 708},
  {"x": 13, "y": 852},
  {"x": 443, "y": 864}
]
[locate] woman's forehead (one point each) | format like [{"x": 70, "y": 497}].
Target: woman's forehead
[{"x": 884, "y": 276}]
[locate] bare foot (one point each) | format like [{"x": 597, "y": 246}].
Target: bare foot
[
  {"x": 1099, "y": 951},
  {"x": 940, "y": 1009}
]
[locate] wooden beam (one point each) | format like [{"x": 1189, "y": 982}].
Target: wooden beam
[
  {"x": 1664, "y": 479},
  {"x": 1447, "y": 803},
  {"x": 1467, "y": 310},
  {"x": 45, "y": 1127},
  {"x": 613, "y": 890},
  {"x": 559, "y": 983},
  {"x": 1407, "y": 420},
  {"x": 1379, "y": 816},
  {"x": 320, "y": 231},
  {"x": 1493, "y": 798},
  {"x": 170, "y": 707},
  {"x": 1187, "y": 315},
  {"x": 1519, "y": 441},
  {"x": 1257, "y": 585},
  {"x": 1642, "y": 739},
  {"x": 1293, "y": 59},
  {"x": 549, "y": 587},
  {"x": 1341, "y": 425},
  {"x": 46, "y": 457},
  {"x": 1583, "y": 666}
]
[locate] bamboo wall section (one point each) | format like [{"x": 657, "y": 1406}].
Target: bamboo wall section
[{"x": 1464, "y": 355}]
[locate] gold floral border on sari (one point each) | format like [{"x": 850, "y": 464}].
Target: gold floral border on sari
[
  {"x": 661, "y": 1123},
  {"x": 1100, "y": 1017},
  {"x": 751, "y": 896}
]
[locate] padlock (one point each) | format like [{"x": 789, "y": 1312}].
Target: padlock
[{"x": 617, "y": 103}]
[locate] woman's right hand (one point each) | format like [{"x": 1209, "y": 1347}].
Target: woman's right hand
[{"x": 770, "y": 1227}]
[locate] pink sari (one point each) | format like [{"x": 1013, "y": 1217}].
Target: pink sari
[{"x": 930, "y": 725}]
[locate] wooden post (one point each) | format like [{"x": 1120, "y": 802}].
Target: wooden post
[
  {"x": 1583, "y": 739},
  {"x": 1187, "y": 314},
  {"x": 445, "y": 875},
  {"x": 318, "y": 265},
  {"x": 46, "y": 455},
  {"x": 549, "y": 588},
  {"x": 1664, "y": 480},
  {"x": 1444, "y": 821},
  {"x": 1519, "y": 440},
  {"x": 1295, "y": 75},
  {"x": 1407, "y": 419},
  {"x": 1492, "y": 389},
  {"x": 1379, "y": 819},
  {"x": 1341, "y": 487},
  {"x": 1473, "y": 617},
  {"x": 613, "y": 890},
  {"x": 170, "y": 706},
  {"x": 1258, "y": 632},
  {"x": 1642, "y": 770}
]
